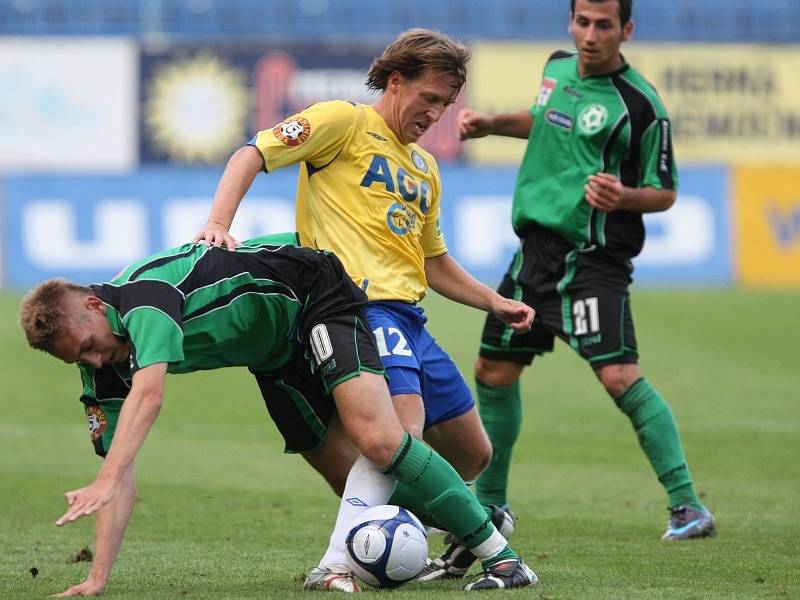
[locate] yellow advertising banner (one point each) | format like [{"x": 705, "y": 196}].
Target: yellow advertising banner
[
  {"x": 767, "y": 209},
  {"x": 503, "y": 77},
  {"x": 728, "y": 102}
]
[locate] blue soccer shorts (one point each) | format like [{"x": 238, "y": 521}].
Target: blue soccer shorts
[{"x": 415, "y": 363}]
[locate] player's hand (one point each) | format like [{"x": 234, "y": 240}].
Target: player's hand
[
  {"x": 87, "y": 500},
  {"x": 604, "y": 192},
  {"x": 215, "y": 234},
  {"x": 515, "y": 314},
  {"x": 87, "y": 588},
  {"x": 472, "y": 124}
]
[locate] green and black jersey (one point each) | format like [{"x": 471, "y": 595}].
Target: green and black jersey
[
  {"x": 614, "y": 123},
  {"x": 196, "y": 308}
]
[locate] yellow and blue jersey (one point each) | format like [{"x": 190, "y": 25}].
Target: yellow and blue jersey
[{"x": 362, "y": 194}]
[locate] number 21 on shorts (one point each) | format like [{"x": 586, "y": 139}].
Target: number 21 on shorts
[{"x": 585, "y": 316}]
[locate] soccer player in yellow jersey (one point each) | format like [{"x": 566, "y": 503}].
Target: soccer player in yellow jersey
[{"x": 368, "y": 193}]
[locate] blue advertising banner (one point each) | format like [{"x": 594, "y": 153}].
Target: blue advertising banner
[
  {"x": 87, "y": 228},
  {"x": 691, "y": 243}
]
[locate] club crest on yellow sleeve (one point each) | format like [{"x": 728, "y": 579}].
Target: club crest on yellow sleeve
[
  {"x": 97, "y": 421},
  {"x": 293, "y": 131}
]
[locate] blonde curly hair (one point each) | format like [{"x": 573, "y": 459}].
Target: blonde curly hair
[{"x": 42, "y": 313}]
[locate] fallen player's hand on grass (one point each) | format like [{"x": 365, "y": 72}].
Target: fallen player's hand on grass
[
  {"x": 87, "y": 588},
  {"x": 87, "y": 501}
]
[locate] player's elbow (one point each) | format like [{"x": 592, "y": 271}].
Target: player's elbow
[
  {"x": 666, "y": 199},
  {"x": 152, "y": 402},
  {"x": 247, "y": 158}
]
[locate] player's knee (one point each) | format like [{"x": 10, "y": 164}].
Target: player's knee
[
  {"x": 472, "y": 470},
  {"x": 470, "y": 459},
  {"x": 498, "y": 373},
  {"x": 376, "y": 447},
  {"x": 616, "y": 379},
  {"x": 337, "y": 483}
]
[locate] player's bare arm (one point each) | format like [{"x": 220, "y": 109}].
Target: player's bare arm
[
  {"x": 605, "y": 192},
  {"x": 446, "y": 277},
  {"x": 647, "y": 199},
  {"x": 110, "y": 524},
  {"x": 473, "y": 124},
  {"x": 239, "y": 174},
  {"x": 139, "y": 412}
]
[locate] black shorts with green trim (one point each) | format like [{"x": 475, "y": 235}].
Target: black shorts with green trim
[
  {"x": 580, "y": 296},
  {"x": 298, "y": 396}
]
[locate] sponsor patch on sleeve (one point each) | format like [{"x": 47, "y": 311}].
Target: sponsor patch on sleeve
[
  {"x": 293, "y": 131},
  {"x": 548, "y": 85}
]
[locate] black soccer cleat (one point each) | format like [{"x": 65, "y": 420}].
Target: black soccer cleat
[
  {"x": 457, "y": 559},
  {"x": 506, "y": 574}
]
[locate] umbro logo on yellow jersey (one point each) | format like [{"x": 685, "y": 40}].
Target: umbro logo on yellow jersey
[{"x": 377, "y": 136}]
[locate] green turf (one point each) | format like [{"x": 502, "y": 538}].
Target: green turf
[{"x": 224, "y": 514}]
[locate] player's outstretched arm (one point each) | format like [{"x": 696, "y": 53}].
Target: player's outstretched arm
[
  {"x": 109, "y": 529},
  {"x": 446, "y": 277},
  {"x": 139, "y": 412},
  {"x": 473, "y": 124},
  {"x": 239, "y": 174}
]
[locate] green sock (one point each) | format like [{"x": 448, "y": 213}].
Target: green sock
[
  {"x": 444, "y": 495},
  {"x": 659, "y": 438},
  {"x": 405, "y": 496},
  {"x": 504, "y": 554},
  {"x": 501, "y": 412}
]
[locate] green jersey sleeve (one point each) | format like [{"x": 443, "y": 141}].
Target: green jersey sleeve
[
  {"x": 656, "y": 158},
  {"x": 155, "y": 337},
  {"x": 148, "y": 312}
]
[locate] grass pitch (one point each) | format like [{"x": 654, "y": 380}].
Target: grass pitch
[{"x": 224, "y": 514}]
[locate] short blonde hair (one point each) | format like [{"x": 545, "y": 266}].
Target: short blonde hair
[
  {"x": 416, "y": 50},
  {"x": 42, "y": 313}
]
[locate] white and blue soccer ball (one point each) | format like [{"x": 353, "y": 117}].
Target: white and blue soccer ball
[{"x": 387, "y": 546}]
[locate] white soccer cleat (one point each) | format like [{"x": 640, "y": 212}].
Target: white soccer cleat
[{"x": 334, "y": 578}]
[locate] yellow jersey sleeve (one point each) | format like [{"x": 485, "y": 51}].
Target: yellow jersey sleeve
[
  {"x": 432, "y": 240},
  {"x": 315, "y": 135}
]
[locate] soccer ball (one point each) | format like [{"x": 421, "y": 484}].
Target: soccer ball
[{"x": 387, "y": 546}]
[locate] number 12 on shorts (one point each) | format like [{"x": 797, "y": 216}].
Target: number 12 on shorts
[
  {"x": 585, "y": 316},
  {"x": 395, "y": 336}
]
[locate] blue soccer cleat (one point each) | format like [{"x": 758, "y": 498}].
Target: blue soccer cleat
[{"x": 688, "y": 522}]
